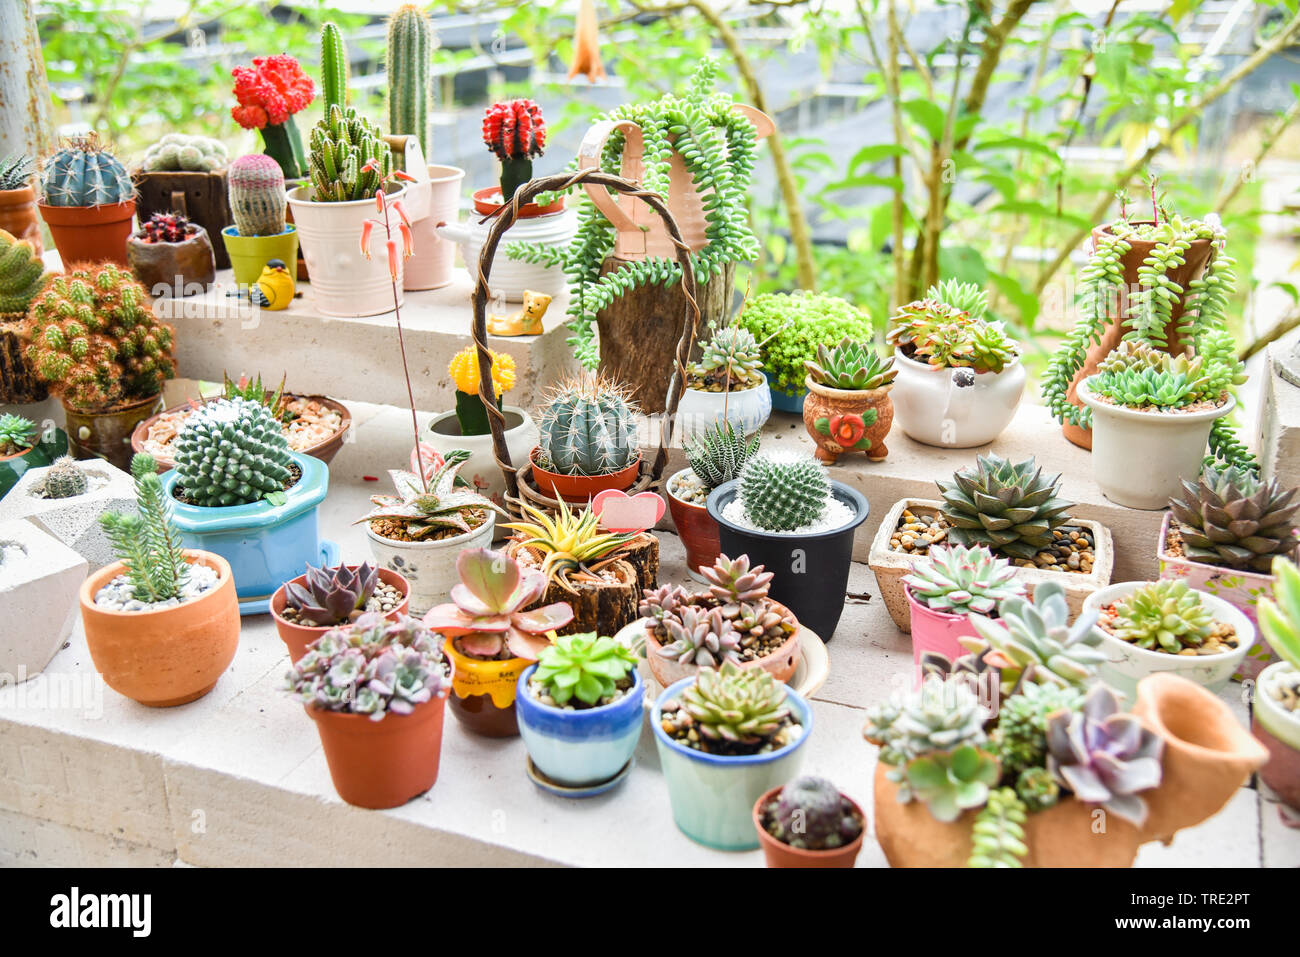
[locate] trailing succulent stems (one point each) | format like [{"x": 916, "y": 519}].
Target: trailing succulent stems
[{"x": 147, "y": 542}]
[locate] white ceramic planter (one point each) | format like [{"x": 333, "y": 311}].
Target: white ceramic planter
[
  {"x": 435, "y": 257},
  {"x": 1128, "y": 664},
  {"x": 747, "y": 410},
  {"x": 930, "y": 407},
  {"x": 1283, "y": 725},
  {"x": 343, "y": 281},
  {"x": 510, "y": 278},
  {"x": 1139, "y": 458},
  {"x": 75, "y": 520},
  {"x": 481, "y": 469},
  {"x": 39, "y": 581},
  {"x": 430, "y": 567}
]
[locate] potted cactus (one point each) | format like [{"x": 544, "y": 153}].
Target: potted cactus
[
  {"x": 324, "y": 598},
  {"x": 787, "y": 514},
  {"x": 18, "y": 201},
  {"x": 725, "y": 737},
  {"x": 269, "y": 93},
  {"x": 255, "y": 186},
  {"x": 377, "y": 690},
  {"x": 809, "y": 823},
  {"x": 22, "y": 449},
  {"x": 726, "y": 384},
  {"x": 66, "y": 500},
  {"x": 162, "y": 624},
  {"x": 495, "y": 626},
  {"x": 959, "y": 375},
  {"x": 172, "y": 256},
  {"x": 1223, "y": 536},
  {"x": 580, "y": 710},
  {"x": 88, "y": 201},
  {"x": 186, "y": 175},
  {"x": 1275, "y": 711},
  {"x": 716, "y": 456},
  {"x": 588, "y": 440},
  {"x": 112, "y": 380},
  {"x": 848, "y": 408},
  {"x": 22, "y": 276}
]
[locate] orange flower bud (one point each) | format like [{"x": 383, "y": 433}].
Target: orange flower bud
[
  {"x": 397, "y": 205},
  {"x": 403, "y": 175},
  {"x": 365, "y": 237},
  {"x": 393, "y": 261},
  {"x": 379, "y": 200},
  {"x": 408, "y": 241}
]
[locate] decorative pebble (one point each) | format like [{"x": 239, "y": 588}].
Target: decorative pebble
[{"x": 119, "y": 594}]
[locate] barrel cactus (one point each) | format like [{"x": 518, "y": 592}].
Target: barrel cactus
[
  {"x": 256, "y": 187},
  {"x": 588, "y": 427},
  {"x": 232, "y": 452},
  {"x": 410, "y": 52},
  {"x": 784, "y": 491},
  {"x": 64, "y": 479},
  {"x": 84, "y": 173},
  {"x": 342, "y": 144},
  {"x": 178, "y": 152},
  {"x": 22, "y": 274},
  {"x": 810, "y": 813}
]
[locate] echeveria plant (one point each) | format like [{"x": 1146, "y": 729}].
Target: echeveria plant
[{"x": 585, "y": 667}]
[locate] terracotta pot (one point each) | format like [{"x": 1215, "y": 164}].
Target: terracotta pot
[
  {"x": 582, "y": 488},
  {"x": 297, "y": 637},
  {"x": 385, "y": 763},
  {"x": 13, "y": 467},
  {"x": 780, "y": 854},
  {"x": 1207, "y": 757},
  {"x": 780, "y": 664},
  {"x": 483, "y": 693},
  {"x": 697, "y": 529},
  {"x": 84, "y": 234},
  {"x": 201, "y": 197},
  {"x": 169, "y": 656},
  {"x": 173, "y": 269},
  {"x": 107, "y": 435},
  {"x": 18, "y": 216},
  {"x": 1195, "y": 261},
  {"x": 836, "y": 420}
]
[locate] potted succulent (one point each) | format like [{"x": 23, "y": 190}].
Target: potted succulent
[
  {"x": 162, "y": 624},
  {"x": 239, "y": 491},
  {"x": 186, "y": 175},
  {"x": 580, "y": 710},
  {"x": 22, "y": 450},
  {"x": 18, "y": 200},
  {"x": 734, "y": 621},
  {"x": 377, "y": 690},
  {"x": 725, "y": 737},
  {"x": 946, "y": 588},
  {"x": 1275, "y": 712},
  {"x": 112, "y": 380},
  {"x": 786, "y": 513},
  {"x": 88, "y": 201},
  {"x": 1151, "y": 417},
  {"x": 1223, "y": 535},
  {"x": 716, "y": 456},
  {"x": 495, "y": 626},
  {"x": 587, "y": 441},
  {"x": 324, "y": 598},
  {"x": 171, "y": 256},
  {"x": 959, "y": 375},
  {"x": 255, "y": 187},
  {"x": 269, "y": 93},
  {"x": 466, "y": 426},
  {"x": 1011, "y": 508},
  {"x": 809, "y": 823},
  {"x": 22, "y": 277},
  {"x": 1167, "y": 626},
  {"x": 726, "y": 384},
  {"x": 848, "y": 408},
  {"x": 793, "y": 326},
  {"x": 66, "y": 500}
]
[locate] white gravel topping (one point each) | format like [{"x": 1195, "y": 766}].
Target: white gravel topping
[
  {"x": 835, "y": 515},
  {"x": 119, "y": 594}
]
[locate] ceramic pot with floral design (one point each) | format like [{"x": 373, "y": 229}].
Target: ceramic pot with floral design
[{"x": 845, "y": 420}]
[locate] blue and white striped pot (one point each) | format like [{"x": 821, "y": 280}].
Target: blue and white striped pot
[{"x": 583, "y": 746}]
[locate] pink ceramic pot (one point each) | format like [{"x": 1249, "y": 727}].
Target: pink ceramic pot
[{"x": 935, "y": 631}]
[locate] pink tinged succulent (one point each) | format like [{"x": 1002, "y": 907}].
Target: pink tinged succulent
[
  {"x": 486, "y": 609},
  {"x": 1105, "y": 756}
]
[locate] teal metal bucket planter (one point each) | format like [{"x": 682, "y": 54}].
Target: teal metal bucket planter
[
  {"x": 787, "y": 403},
  {"x": 713, "y": 795},
  {"x": 266, "y": 545}
]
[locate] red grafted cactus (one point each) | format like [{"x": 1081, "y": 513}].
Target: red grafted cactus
[
  {"x": 516, "y": 132},
  {"x": 167, "y": 228}
]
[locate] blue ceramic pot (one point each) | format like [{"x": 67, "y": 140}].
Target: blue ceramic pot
[
  {"x": 785, "y": 403},
  {"x": 266, "y": 545},
  {"x": 43, "y": 453},
  {"x": 580, "y": 747},
  {"x": 713, "y": 795}
]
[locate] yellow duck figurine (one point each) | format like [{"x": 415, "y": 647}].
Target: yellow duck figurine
[
  {"x": 274, "y": 289},
  {"x": 526, "y": 322}
]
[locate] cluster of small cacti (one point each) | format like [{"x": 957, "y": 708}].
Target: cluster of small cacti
[
  {"x": 810, "y": 813},
  {"x": 718, "y": 453},
  {"x": 146, "y": 541},
  {"x": 84, "y": 173},
  {"x": 349, "y": 159},
  {"x": 1165, "y": 615},
  {"x": 949, "y": 328},
  {"x": 16, "y": 171},
  {"x": 16, "y": 434},
  {"x": 1230, "y": 518},
  {"x": 94, "y": 339},
  {"x": 64, "y": 479},
  {"x": 730, "y": 361},
  {"x": 407, "y": 65},
  {"x": 182, "y": 153},
  {"x": 231, "y": 452},
  {"x": 781, "y": 492},
  {"x": 588, "y": 427},
  {"x": 335, "y": 67},
  {"x": 516, "y": 132},
  {"x": 22, "y": 274},
  {"x": 1009, "y": 507},
  {"x": 850, "y": 365},
  {"x": 735, "y": 710},
  {"x": 255, "y": 185},
  {"x": 957, "y": 580},
  {"x": 167, "y": 228}
]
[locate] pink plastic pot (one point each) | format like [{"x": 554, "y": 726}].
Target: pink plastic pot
[{"x": 935, "y": 631}]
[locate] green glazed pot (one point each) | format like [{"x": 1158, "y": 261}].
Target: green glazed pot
[{"x": 248, "y": 254}]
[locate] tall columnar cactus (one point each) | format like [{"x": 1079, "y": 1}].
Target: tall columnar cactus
[
  {"x": 342, "y": 143},
  {"x": 256, "y": 187},
  {"x": 22, "y": 274},
  {"x": 94, "y": 339},
  {"x": 588, "y": 428},
  {"x": 84, "y": 173},
  {"x": 410, "y": 49},
  {"x": 232, "y": 452},
  {"x": 781, "y": 492},
  {"x": 334, "y": 67},
  {"x": 516, "y": 132}
]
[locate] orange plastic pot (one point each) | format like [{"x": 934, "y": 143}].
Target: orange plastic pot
[
  {"x": 583, "y": 488},
  {"x": 169, "y": 656},
  {"x": 297, "y": 637},
  {"x": 90, "y": 233},
  {"x": 385, "y": 763},
  {"x": 779, "y": 854}
]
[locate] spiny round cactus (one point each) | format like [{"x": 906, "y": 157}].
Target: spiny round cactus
[
  {"x": 182, "y": 153},
  {"x": 84, "y": 173},
  {"x": 957, "y": 580},
  {"x": 231, "y": 452},
  {"x": 781, "y": 492},
  {"x": 811, "y": 814},
  {"x": 64, "y": 479},
  {"x": 1164, "y": 615},
  {"x": 588, "y": 427},
  {"x": 255, "y": 184}
]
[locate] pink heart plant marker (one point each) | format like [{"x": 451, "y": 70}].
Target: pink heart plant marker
[{"x": 620, "y": 512}]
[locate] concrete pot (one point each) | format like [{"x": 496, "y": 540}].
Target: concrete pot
[
  {"x": 483, "y": 693},
  {"x": 200, "y": 196},
  {"x": 584, "y": 746},
  {"x": 844, "y": 420},
  {"x": 712, "y": 795},
  {"x": 746, "y": 409},
  {"x": 1139, "y": 458},
  {"x": 435, "y": 258},
  {"x": 343, "y": 281},
  {"x": 429, "y": 567},
  {"x": 779, "y": 854},
  {"x": 696, "y": 528},
  {"x": 890, "y": 566},
  {"x": 249, "y": 254},
  {"x": 75, "y": 520},
  {"x": 18, "y": 216},
  {"x": 933, "y": 408},
  {"x": 481, "y": 469},
  {"x": 1128, "y": 664},
  {"x": 935, "y": 631},
  {"x": 1279, "y": 731},
  {"x": 39, "y": 581},
  {"x": 173, "y": 269},
  {"x": 297, "y": 637},
  {"x": 90, "y": 233}
]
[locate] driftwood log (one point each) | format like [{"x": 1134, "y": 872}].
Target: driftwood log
[
  {"x": 642, "y": 553},
  {"x": 18, "y": 386},
  {"x": 601, "y": 607}
]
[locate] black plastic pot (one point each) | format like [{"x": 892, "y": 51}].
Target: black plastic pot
[{"x": 811, "y": 571}]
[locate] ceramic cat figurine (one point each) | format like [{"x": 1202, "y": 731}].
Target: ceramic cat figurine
[{"x": 526, "y": 322}]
